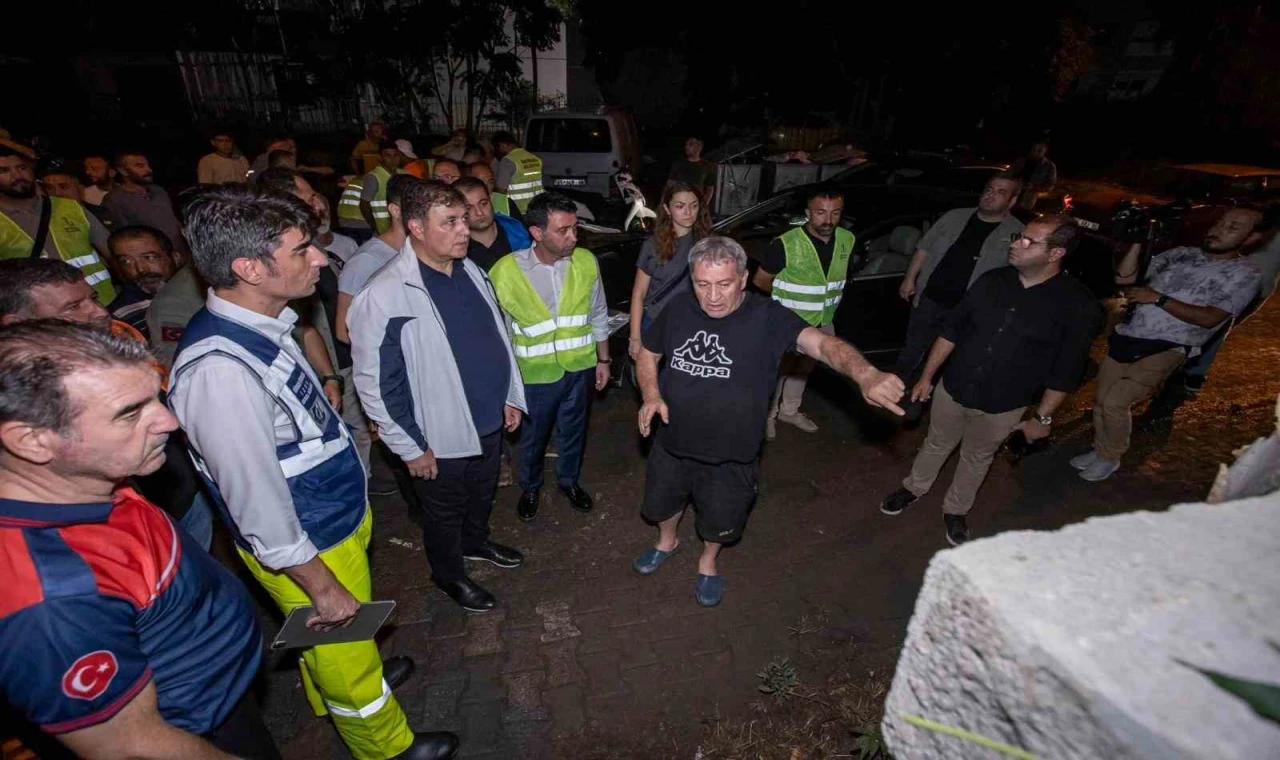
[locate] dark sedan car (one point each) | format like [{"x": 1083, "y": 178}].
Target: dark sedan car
[{"x": 888, "y": 220}]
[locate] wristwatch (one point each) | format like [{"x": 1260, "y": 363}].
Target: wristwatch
[
  {"x": 342, "y": 386},
  {"x": 1046, "y": 421},
  {"x": 1162, "y": 300}
]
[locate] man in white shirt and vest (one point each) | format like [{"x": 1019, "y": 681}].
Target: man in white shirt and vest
[
  {"x": 519, "y": 171},
  {"x": 71, "y": 233},
  {"x": 805, "y": 269},
  {"x": 560, "y": 329},
  {"x": 278, "y": 459}
]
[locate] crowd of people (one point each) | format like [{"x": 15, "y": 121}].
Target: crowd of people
[{"x": 248, "y": 362}]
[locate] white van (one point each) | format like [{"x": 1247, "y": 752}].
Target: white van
[{"x": 582, "y": 150}]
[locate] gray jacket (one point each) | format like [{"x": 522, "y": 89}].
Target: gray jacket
[
  {"x": 944, "y": 233},
  {"x": 404, "y": 368}
]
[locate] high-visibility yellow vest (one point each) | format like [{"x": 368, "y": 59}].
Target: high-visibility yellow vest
[
  {"x": 69, "y": 232},
  {"x": 547, "y": 347},
  {"x": 802, "y": 286},
  {"x": 501, "y": 203},
  {"x": 381, "y": 216},
  {"x": 526, "y": 183},
  {"x": 349, "y": 202}
]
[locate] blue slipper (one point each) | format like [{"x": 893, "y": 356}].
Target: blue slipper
[
  {"x": 651, "y": 560},
  {"x": 709, "y": 591}
]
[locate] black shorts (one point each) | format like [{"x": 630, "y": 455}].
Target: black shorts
[{"x": 722, "y": 494}]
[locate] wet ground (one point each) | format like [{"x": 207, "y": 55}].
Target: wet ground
[{"x": 584, "y": 658}]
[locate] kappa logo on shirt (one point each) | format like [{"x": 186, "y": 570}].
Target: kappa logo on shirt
[{"x": 702, "y": 356}]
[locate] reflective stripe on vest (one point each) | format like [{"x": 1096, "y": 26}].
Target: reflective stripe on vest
[
  {"x": 69, "y": 234},
  {"x": 381, "y": 216},
  {"x": 546, "y": 347},
  {"x": 501, "y": 203},
  {"x": 316, "y": 457},
  {"x": 349, "y": 201},
  {"x": 526, "y": 183},
  {"x": 802, "y": 286}
]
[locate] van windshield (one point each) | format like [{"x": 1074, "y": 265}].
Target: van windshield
[{"x": 569, "y": 136}]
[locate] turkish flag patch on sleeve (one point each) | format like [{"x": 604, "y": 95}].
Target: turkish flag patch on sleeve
[
  {"x": 171, "y": 333},
  {"x": 89, "y": 676}
]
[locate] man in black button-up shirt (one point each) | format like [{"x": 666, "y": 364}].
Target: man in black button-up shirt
[{"x": 1019, "y": 337}]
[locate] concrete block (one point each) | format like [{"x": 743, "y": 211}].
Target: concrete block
[{"x": 1067, "y": 644}]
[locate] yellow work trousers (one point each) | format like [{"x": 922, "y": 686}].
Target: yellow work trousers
[{"x": 344, "y": 681}]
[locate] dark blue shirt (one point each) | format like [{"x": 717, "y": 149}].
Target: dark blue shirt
[{"x": 473, "y": 337}]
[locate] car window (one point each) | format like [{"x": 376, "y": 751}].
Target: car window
[
  {"x": 774, "y": 214},
  {"x": 551, "y": 135},
  {"x": 886, "y": 248}
]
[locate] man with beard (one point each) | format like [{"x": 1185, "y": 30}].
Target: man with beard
[
  {"x": 138, "y": 200},
  {"x": 500, "y": 202},
  {"x": 1189, "y": 293},
  {"x": 99, "y": 179},
  {"x": 49, "y": 227},
  {"x": 805, "y": 270},
  {"x": 146, "y": 260},
  {"x": 492, "y": 235}
]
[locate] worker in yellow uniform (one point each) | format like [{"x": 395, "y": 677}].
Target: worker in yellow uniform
[
  {"x": 279, "y": 461},
  {"x": 519, "y": 171},
  {"x": 805, "y": 269},
  {"x": 560, "y": 336},
  {"x": 34, "y": 226},
  {"x": 373, "y": 191}
]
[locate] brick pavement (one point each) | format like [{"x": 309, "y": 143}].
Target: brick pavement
[{"x": 585, "y": 654}]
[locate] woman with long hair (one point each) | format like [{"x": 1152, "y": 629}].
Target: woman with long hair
[{"x": 662, "y": 271}]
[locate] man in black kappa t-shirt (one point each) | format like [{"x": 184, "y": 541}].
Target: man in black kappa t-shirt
[{"x": 722, "y": 346}]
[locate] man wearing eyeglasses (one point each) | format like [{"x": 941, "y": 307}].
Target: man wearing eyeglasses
[
  {"x": 1019, "y": 338},
  {"x": 963, "y": 245}
]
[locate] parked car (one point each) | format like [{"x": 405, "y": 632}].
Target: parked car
[
  {"x": 888, "y": 221},
  {"x": 582, "y": 150}
]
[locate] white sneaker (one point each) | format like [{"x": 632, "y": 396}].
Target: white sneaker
[
  {"x": 771, "y": 428},
  {"x": 1085, "y": 460},
  {"x": 799, "y": 420},
  {"x": 1099, "y": 470}
]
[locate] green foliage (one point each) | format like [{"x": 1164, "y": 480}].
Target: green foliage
[
  {"x": 1262, "y": 698},
  {"x": 779, "y": 679},
  {"x": 870, "y": 744}
]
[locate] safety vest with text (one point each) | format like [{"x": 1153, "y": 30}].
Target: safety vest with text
[
  {"x": 546, "y": 347},
  {"x": 802, "y": 286},
  {"x": 349, "y": 202},
  {"x": 526, "y": 183},
  {"x": 69, "y": 233}
]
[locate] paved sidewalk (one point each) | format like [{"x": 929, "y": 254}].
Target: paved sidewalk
[{"x": 584, "y": 654}]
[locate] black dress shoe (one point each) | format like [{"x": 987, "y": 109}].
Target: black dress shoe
[
  {"x": 502, "y": 556},
  {"x": 434, "y": 745},
  {"x": 579, "y": 499},
  {"x": 469, "y": 596},
  {"x": 527, "y": 507},
  {"x": 396, "y": 670}
]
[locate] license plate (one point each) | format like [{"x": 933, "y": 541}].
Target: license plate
[
  {"x": 569, "y": 182},
  {"x": 1088, "y": 225}
]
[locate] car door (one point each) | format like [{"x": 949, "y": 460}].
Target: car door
[{"x": 872, "y": 316}]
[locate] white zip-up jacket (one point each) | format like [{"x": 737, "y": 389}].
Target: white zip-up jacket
[{"x": 404, "y": 368}]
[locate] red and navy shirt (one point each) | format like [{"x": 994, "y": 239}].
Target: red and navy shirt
[{"x": 98, "y": 600}]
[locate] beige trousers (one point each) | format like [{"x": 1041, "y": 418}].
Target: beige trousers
[
  {"x": 1120, "y": 386},
  {"x": 979, "y": 436}
]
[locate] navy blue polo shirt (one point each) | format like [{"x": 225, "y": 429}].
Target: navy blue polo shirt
[{"x": 477, "y": 347}]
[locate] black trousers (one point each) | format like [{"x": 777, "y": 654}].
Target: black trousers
[
  {"x": 456, "y": 507},
  {"x": 244, "y": 734},
  {"x": 923, "y": 328}
]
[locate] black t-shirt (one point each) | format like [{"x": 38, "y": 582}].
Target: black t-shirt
[
  {"x": 950, "y": 279},
  {"x": 486, "y": 257},
  {"x": 327, "y": 292},
  {"x": 775, "y": 256},
  {"x": 720, "y": 374},
  {"x": 701, "y": 174}
]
